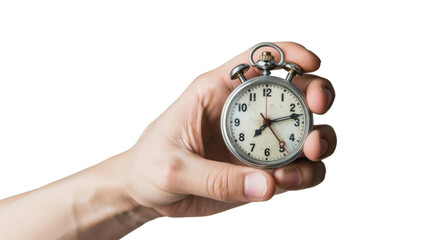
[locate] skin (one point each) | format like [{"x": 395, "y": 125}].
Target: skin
[{"x": 179, "y": 167}]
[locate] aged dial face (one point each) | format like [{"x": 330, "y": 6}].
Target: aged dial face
[{"x": 267, "y": 122}]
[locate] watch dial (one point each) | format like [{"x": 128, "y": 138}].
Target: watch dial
[{"x": 267, "y": 122}]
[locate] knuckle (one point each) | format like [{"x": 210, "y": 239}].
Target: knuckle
[
  {"x": 319, "y": 173},
  {"x": 306, "y": 175},
  {"x": 326, "y": 82},
  {"x": 170, "y": 174},
  {"x": 218, "y": 184},
  {"x": 313, "y": 174},
  {"x": 328, "y": 133}
]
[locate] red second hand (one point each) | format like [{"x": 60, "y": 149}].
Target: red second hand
[
  {"x": 281, "y": 143},
  {"x": 266, "y": 106}
]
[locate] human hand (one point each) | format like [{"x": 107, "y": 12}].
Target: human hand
[{"x": 180, "y": 166}]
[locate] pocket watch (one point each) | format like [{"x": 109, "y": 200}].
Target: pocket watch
[{"x": 265, "y": 120}]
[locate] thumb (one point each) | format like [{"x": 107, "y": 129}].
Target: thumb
[{"x": 226, "y": 182}]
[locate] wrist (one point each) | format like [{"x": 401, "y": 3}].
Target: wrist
[
  {"x": 91, "y": 204},
  {"x": 100, "y": 198}
]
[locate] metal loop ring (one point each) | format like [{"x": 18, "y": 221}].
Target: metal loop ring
[{"x": 266, "y": 45}]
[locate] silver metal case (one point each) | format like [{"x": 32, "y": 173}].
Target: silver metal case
[{"x": 225, "y": 122}]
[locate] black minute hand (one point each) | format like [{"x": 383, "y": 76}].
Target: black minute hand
[{"x": 294, "y": 116}]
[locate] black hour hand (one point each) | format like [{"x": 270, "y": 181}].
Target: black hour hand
[{"x": 259, "y": 131}]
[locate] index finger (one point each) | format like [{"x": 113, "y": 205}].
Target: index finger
[{"x": 294, "y": 53}]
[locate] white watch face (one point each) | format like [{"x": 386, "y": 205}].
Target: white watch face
[{"x": 267, "y": 122}]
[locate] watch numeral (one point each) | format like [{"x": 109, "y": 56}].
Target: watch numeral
[
  {"x": 296, "y": 122},
  {"x": 253, "y": 146},
  {"x": 267, "y": 91},
  {"x": 252, "y": 97},
  {"x": 241, "y": 137},
  {"x": 242, "y": 107},
  {"x": 237, "y": 122},
  {"x": 292, "y": 137},
  {"x": 267, "y": 152},
  {"x": 292, "y": 107},
  {"x": 283, "y": 97}
]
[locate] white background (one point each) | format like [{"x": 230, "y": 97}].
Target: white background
[{"x": 80, "y": 80}]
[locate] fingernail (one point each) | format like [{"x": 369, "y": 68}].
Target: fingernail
[
  {"x": 328, "y": 97},
  {"x": 255, "y": 186},
  {"x": 291, "y": 179},
  {"x": 323, "y": 146}
]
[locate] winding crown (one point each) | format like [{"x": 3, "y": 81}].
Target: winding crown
[{"x": 266, "y": 56}]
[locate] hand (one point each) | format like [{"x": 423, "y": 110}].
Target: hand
[{"x": 180, "y": 166}]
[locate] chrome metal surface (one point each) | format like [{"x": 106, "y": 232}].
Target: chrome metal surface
[
  {"x": 266, "y": 66},
  {"x": 266, "y": 44},
  {"x": 239, "y": 71},
  {"x": 292, "y": 70},
  {"x": 226, "y": 125}
]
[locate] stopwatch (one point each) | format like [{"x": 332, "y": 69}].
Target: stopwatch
[{"x": 266, "y": 120}]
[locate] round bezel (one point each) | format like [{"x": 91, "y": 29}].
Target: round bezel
[{"x": 226, "y": 125}]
